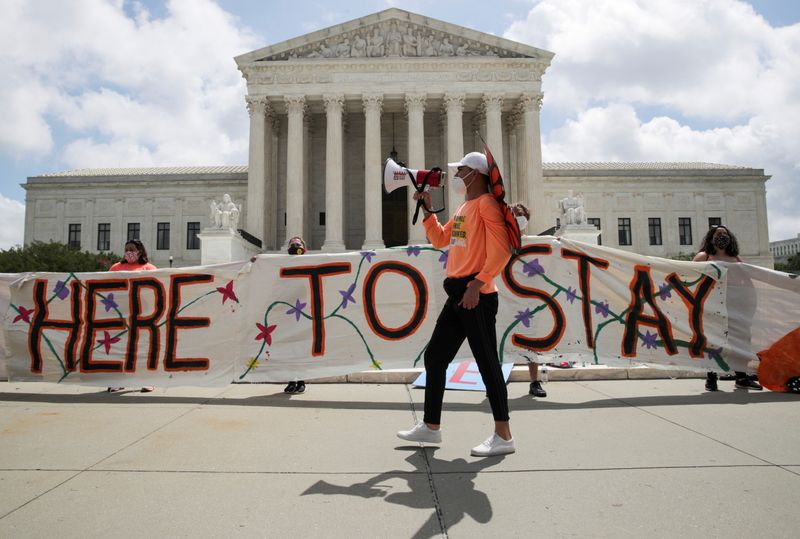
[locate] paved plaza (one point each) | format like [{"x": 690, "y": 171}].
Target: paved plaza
[{"x": 596, "y": 458}]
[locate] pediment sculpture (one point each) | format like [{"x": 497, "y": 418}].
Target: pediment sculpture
[{"x": 393, "y": 39}]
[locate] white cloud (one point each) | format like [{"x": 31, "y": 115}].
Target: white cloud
[
  {"x": 725, "y": 83},
  {"x": 12, "y": 222},
  {"x": 128, "y": 90}
]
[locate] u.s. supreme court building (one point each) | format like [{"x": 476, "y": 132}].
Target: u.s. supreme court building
[{"x": 328, "y": 107}]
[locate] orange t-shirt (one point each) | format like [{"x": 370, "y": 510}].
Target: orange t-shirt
[
  {"x": 477, "y": 238},
  {"x": 124, "y": 266}
]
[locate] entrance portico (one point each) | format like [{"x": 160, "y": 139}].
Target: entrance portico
[{"x": 326, "y": 108}]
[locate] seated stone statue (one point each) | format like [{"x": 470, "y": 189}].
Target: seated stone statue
[
  {"x": 225, "y": 214},
  {"x": 572, "y": 211}
]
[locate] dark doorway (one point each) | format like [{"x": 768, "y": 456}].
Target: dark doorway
[{"x": 395, "y": 218}]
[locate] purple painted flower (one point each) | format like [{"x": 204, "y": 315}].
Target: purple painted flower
[
  {"x": 602, "y": 309},
  {"x": 664, "y": 292},
  {"x": 61, "y": 291},
  {"x": 525, "y": 317},
  {"x": 715, "y": 353},
  {"x": 368, "y": 255},
  {"x": 571, "y": 294},
  {"x": 347, "y": 295},
  {"x": 297, "y": 310},
  {"x": 413, "y": 250},
  {"x": 109, "y": 302},
  {"x": 443, "y": 258},
  {"x": 533, "y": 268},
  {"x": 649, "y": 339}
]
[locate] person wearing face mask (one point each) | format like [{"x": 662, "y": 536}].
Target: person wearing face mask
[
  {"x": 296, "y": 246},
  {"x": 719, "y": 244},
  {"x": 134, "y": 259},
  {"x": 478, "y": 251}
]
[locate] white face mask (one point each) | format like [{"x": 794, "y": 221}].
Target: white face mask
[
  {"x": 457, "y": 184},
  {"x": 522, "y": 222}
]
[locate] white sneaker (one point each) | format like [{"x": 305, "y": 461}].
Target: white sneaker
[
  {"x": 494, "y": 445},
  {"x": 421, "y": 433}
]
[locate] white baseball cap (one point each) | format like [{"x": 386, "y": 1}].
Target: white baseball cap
[{"x": 474, "y": 160}]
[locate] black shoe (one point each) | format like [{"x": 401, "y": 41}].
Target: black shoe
[
  {"x": 290, "y": 388},
  {"x": 711, "y": 382},
  {"x": 536, "y": 390},
  {"x": 300, "y": 387},
  {"x": 747, "y": 383},
  {"x": 793, "y": 385}
]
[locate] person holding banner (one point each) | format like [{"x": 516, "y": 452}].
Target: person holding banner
[
  {"x": 719, "y": 244},
  {"x": 296, "y": 246},
  {"x": 479, "y": 250},
  {"x": 134, "y": 259}
]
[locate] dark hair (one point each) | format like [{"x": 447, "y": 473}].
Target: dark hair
[
  {"x": 709, "y": 248},
  {"x": 143, "y": 259},
  {"x": 523, "y": 209}
]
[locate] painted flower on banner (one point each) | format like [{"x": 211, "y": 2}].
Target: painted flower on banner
[
  {"x": 369, "y": 255},
  {"x": 443, "y": 258},
  {"x": 252, "y": 364},
  {"x": 61, "y": 291},
  {"x": 649, "y": 339},
  {"x": 266, "y": 333},
  {"x": 107, "y": 341},
  {"x": 347, "y": 295},
  {"x": 533, "y": 268},
  {"x": 375, "y": 365},
  {"x": 297, "y": 310},
  {"x": 108, "y": 302},
  {"x": 664, "y": 292},
  {"x": 571, "y": 294},
  {"x": 525, "y": 317},
  {"x": 227, "y": 292},
  {"x": 715, "y": 353},
  {"x": 24, "y": 315},
  {"x": 602, "y": 309},
  {"x": 413, "y": 250}
]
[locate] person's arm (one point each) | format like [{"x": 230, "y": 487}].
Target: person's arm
[{"x": 702, "y": 256}]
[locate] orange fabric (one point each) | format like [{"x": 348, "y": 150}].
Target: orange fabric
[
  {"x": 124, "y": 266},
  {"x": 780, "y": 362},
  {"x": 477, "y": 238}
]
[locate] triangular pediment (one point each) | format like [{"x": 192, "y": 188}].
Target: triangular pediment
[{"x": 393, "y": 33}]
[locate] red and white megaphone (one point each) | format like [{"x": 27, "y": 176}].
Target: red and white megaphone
[{"x": 396, "y": 176}]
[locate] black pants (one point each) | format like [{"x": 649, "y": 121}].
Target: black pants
[{"x": 452, "y": 327}]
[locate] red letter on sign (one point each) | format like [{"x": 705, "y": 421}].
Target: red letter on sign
[{"x": 314, "y": 274}]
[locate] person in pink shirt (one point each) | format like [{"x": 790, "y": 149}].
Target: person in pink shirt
[
  {"x": 134, "y": 259},
  {"x": 478, "y": 251}
]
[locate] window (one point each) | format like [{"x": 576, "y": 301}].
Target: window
[
  {"x": 134, "y": 231},
  {"x": 74, "y": 241},
  {"x": 624, "y": 230},
  {"x": 162, "y": 236},
  {"x": 192, "y": 230},
  {"x": 596, "y": 222},
  {"x": 714, "y": 222},
  {"x": 321, "y": 218},
  {"x": 104, "y": 236},
  {"x": 685, "y": 230},
  {"x": 654, "y": 230}
]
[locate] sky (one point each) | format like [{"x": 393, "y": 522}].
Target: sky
[{"x": 120, "y": 83}]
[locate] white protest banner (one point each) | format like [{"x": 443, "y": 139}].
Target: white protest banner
[{"x": 285, "y": 317}]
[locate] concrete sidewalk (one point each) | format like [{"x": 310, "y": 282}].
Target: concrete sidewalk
[{"x": 631, "y": 458}]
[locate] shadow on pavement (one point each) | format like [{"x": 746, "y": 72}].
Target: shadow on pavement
[
  {"x": 459, "y": 475},
  {"x": 281, "y": 400}
]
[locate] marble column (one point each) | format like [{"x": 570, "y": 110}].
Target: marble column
[
  {"x": 415, "y": 108},
  {"x": 493, "y": 106},
  {"x": 269, "y": 219},
  {"x": 295, "y": 107},
  {"x": 510, "y": 179},
  {"x": 373, "y": 192},
  {"x": 256, "y": 172},
  {"x": 334, "y": 186},
  {"x": 454, "y": 107},
  {"x": 534, "y": 179}
]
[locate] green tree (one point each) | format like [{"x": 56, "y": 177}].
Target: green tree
[
  {"x": 53, "y": 256},
  {"x": 790, "y": 266}
]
